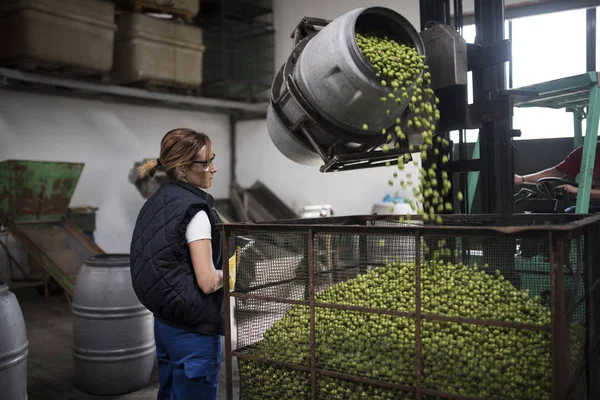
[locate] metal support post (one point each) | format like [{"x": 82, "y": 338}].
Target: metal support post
[
  {"x": 473, "y": 177},
  {"x": 578, "y": 116},
  {"x": 232, "y": 148},
  {"x": 495, "y": 140},
  {"x": 588, "y": 156}
]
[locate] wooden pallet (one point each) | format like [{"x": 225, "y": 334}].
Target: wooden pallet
[
  {"x": 165, "y": 87},
  {"x": 143, "y": 6},
  {"x": 62, "y": 71}
]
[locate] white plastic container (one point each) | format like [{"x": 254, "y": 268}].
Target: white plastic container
[
  {"x": 63, "y": 33},
  {"x": 154, "y": 49},
  {"x": 397, "y": 209}
]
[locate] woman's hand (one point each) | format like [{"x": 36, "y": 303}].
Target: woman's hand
[
  {"x": 569, "y": 189},
  {"x": 519, "y": 179}
]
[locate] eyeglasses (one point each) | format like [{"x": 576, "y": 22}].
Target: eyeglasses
[{"x": 207, "y": 163}]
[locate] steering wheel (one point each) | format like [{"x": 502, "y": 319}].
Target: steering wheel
[{"x": 550, "y": 186}]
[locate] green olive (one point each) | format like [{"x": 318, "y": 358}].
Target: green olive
[
  {"x": 468, "y": 360},
  {"x": 403, "y": 75}
]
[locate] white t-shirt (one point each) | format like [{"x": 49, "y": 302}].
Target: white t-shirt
[{"x": 198, "y": 228}]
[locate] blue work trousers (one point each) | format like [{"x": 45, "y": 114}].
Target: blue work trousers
[{"x": 188, "y": 363}]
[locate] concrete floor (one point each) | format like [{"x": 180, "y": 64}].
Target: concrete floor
[{"x": 50, "y": 365}]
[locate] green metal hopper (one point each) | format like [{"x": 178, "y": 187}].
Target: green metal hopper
[{"x": 34, "y": 201}]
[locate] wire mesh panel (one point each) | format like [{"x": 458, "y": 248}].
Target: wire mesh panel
[
  {"x": 591, "y": 260},
  {"x": 373, "y": 308},
  {"x": 240, "y": 43}
]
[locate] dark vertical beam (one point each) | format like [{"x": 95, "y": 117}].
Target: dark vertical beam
[
  {"x": 496, "y": 176},
  {"x": 458, "y": 16},
  {"x": 232, "y": 146},
  {"x": 557, "y": 309},
  {"x": 463, "y": 178},
  {"x": 489, "y": 22},
  {"x": 225, "y": 71},
  {"x": 510, "y": 63},
  {"x": 589, "y": 255},
  {"x": 591, "y": 39}
]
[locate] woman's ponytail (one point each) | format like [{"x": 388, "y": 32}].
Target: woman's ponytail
[{"x": 148, "y": 169}]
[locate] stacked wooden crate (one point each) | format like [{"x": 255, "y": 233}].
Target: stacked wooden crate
[
  {"x": 66, "y": 37},
  {"x": 141, "y": 42}
]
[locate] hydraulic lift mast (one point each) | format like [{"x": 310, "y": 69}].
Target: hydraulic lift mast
[
  {"x": 495, "y": 135},
  {"x": 491, "y": 111}
]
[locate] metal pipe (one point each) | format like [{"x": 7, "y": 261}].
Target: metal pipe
[{"x": 232, "y": 148}]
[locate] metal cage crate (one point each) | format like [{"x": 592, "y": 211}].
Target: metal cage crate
[{"x": 368, "y": 307}]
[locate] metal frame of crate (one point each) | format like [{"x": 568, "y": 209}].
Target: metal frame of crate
[
  {"x": 545, "y": 235},
  {"x": 240, "y": 49}
]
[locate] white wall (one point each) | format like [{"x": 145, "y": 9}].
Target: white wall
[
  {"x": 351, "y": 192},
  {"x": 108, "y": 138}
]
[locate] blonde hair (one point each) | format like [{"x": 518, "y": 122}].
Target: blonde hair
[{"x": 178, "y": 148}]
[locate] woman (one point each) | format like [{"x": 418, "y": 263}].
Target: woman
[{"x": 176, "y": 267}]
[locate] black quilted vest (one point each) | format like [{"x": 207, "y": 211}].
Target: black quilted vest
[{"x": 161, "y": 267}]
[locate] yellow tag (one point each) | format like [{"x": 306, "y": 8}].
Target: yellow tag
[{"x": 233, "y": 261}]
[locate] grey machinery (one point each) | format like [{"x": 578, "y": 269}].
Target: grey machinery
[{"x": 323, "y": 94}]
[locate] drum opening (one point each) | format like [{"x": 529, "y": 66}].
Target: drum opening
[{"x": 382, "y": 22}]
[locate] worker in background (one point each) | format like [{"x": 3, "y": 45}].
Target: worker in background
[
  {"x": 176, "y": 267},
  {"x": 569, "y": 168}
]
